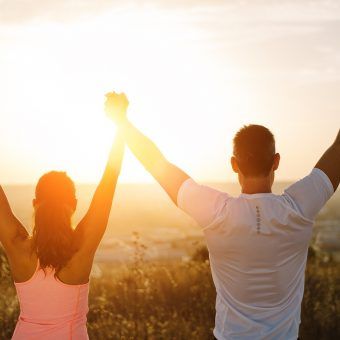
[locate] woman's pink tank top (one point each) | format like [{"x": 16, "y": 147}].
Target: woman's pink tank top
[{"x": 50, "y": 309}]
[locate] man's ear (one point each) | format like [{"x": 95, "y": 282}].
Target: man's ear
[
  {"x": 234, "y": 165},
  {"x": 276, "y": 162}
]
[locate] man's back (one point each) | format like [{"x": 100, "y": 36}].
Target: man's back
[{"x": 258, "y": 246}]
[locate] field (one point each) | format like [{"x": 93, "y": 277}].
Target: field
[
  {"x": 158, "y": 285},
  {"x": 175, "y": 300}
]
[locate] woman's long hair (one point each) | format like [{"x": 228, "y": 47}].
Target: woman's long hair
[{"x": 52, "y": 233}]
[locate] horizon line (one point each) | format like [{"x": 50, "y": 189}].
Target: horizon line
[{"x": 144, "y": 182}]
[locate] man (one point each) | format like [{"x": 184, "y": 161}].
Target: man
[{"x": 258, "y": 241}]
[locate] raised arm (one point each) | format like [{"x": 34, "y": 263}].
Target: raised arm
[
  {"x": 166, "y": 174},
  {"x": 329, "y": 163},
  {"x": 169, "y": 176},
  {"x": 91, "y": 228},
  {"x": 11, "y": 229}
]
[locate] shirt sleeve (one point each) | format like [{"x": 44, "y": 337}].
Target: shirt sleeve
[
  {"x": 202, "y": 203},
  {"x": 310, "y": 194}
]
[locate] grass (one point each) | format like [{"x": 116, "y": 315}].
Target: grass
[{"x": 177, "y": 301}]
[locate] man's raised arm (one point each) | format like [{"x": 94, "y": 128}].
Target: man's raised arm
[
  {"x": 329, "y": 163},
  {"x": 200, "y": 202},
  {"x": 167, "y": 175}
]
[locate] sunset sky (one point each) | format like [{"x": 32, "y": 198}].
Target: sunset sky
[{"x": 194, "y": 71}]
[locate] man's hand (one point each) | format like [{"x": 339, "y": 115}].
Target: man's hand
[{"x": 116, "y": 106}]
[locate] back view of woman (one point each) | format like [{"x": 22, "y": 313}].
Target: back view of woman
[{"x": 51, "y": 267}]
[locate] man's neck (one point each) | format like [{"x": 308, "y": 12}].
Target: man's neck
[{"x": 256, "y": 185}]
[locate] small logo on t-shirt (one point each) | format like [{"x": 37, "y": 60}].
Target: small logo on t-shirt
[{"x": 258, "y": 220}]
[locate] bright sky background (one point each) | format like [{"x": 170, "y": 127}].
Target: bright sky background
[{"x": 194, "y": 71}]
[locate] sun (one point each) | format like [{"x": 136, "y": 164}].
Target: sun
[{"x": 64, "y": 70}]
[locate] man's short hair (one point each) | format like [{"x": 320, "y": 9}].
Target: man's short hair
[{"x": 254, "y": 149}]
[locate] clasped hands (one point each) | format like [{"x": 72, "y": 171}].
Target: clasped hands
[{"x": 116, "y": 105}]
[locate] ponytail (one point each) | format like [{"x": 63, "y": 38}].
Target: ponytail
[{"x": 53, "y": 234}]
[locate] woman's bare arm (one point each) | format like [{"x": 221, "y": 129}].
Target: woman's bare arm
[
  {"x": 12, "y": 231},
  {"x": 91, "y": 228}
]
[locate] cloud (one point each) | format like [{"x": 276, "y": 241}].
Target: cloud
[
  {"x": 16, "y": 11},
  {"x": 264, "y": 37},
  {"x": 277, "y": 39}
]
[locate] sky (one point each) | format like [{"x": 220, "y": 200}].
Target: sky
[{"x": 194, "y": 71}]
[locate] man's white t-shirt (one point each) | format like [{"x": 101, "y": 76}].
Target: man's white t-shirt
[{"x": 258, "y": 247}]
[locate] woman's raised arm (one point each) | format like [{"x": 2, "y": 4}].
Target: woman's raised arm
[
  {"x": 11, "y": 230},
  {"x": 91, "y": 228}
]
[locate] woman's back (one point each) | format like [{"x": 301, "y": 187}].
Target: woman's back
[{"x": 51, "y": 309}]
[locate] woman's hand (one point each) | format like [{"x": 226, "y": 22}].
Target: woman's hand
[{"x": 116, "y": 106}]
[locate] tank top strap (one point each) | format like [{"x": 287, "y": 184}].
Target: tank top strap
[{"x": 38, "y": 265}]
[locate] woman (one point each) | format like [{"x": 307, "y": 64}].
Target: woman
[{"x": 51, "y": 268}]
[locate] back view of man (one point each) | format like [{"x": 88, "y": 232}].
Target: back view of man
[{"x": 258, "y": 241}]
